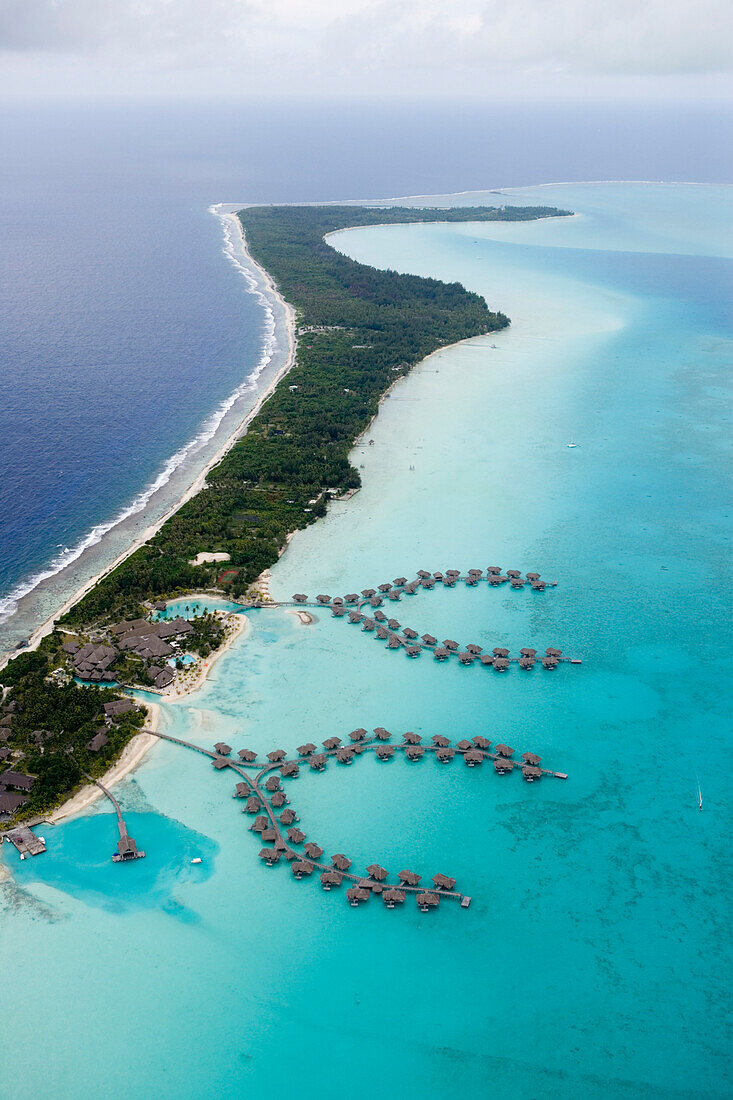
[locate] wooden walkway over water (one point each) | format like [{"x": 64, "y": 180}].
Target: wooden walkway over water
[
  {"x": 261, "y": 788},
  {"x": 372, "y": 609},
  {"x": 127, "y": 849}
]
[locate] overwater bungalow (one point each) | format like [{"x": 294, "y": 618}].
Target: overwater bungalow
[
  {"x": 409, "y": 632},
  {"x": 351, "y": 597},
  {"x": 241, "y": 790},
  {"x": 270, "y": 856},
  {"x": 449, "y": 582},
  {"x": 296, "y": 836},
  {"x": 526, "y": 662},
  {"x": 272, "y": 783},
  {"x": 414, "y": 752},
  {"x": 531, "y": 773},
  {"x": 331, "y": 743},
  {"x": 443, "y": 882},
  {"x": 413, "y": 650},
  {"x": 344, "y": 755},
  {"x": 357, "y": 894},
  {"x": 475, "y": 572},
  {"x": 531, "y": 758},
  {"x": 527, "y": 651},
  {"x": 400, "y": 582},
  {"x": 409, "y": 878},
  {"x": 466, "y": 658},
  {"x": 517, "y": 582},
  {"x": 538, "y": 586},
  {"x": 428, "y": 583},
  {"x": 393, "y": 595},
  {"x": 381, "y": 733},
  {"x": 513, "y": 574},
  {"x": 393, "y": 642},
  {"x": 411, "y": 588},
  {"x": 222, "y": 748},
  {"x": 376, "y": 872},
  {"x": 358, "y": 735},
  {"x": 428, "y": 639},
  {"x": 438, "y": 577},
  {"x": 287, "y": 817},
  {"x": 393, "y": 897},
  {"x": 444, "y": 755},
  {"x": 376, "y": 601},
  {"x": 501, "y": 664},
  {"x": 503, "y": 750},
  {"x": 323, "y": 599},
  {"x": 331, "y": 878},
  {"x": 278, "y": 799},
  {"x": 306, "y": 749},
  {"x": 427, "y": 901},
  {"x": 338, "y": 612},
  {"x": 449, "y": 643},
  {"x": 220, "y": 762},
  {"x": 253, "y": 804},
  {"x": 423, "y": 574},
  {"x": 290, "y": 769},
  {"x": 341, "y": 862},
  {"x": 464, "y": 745},
  {"x": 276, "y": 756},
  {"x": 384, "y": 587},
  {"x": 299, "y": 597},
  {"x": 367, "y": 593},
  {"x": 318, "y": 761},
  {"x": 441, "y": 653},
  {"x": 453, "y": 573},
  {"x": 355, "y": 617},
  {"x": 473, "y": 757},
  {"x": 247, "y": 756},
  {"x": 440, "y": 741},
  {"x": 473, "y": 648},
  {"x": 393, "y": 624},
  {"x": 549, "y": 662},
  {"x": 301, "y": 867},
  {"x": 472, "y": 581},
  {"x": 384, "y": 752},
  {"x": 380, "y": 617},
  {"x": 500, "y": 651},
  {"x": 382, "y": 633},
  {"x": 494, "y": 570},
  {"x": 261, "y": 822},
  {"x": 313, "y": 850},
  {"x": 369, "y": 624},
  {"x": 269, "y": 835},
  {"x": 503, "y": 765},
  {"x": 533, "y": 576},
  {"x": 481, "y": 742},
  {"x": 552, "y": 652},
  {"x": 412, "y": 738}
]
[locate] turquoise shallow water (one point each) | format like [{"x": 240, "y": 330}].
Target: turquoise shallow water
[{"x": 593, "y": 959}]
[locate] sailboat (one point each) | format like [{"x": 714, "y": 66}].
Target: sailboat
[{"x": 699, "y": 794}]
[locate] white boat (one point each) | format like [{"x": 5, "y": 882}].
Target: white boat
[
  {"x": 699, "y": 794},
  {"x": 571, "y": 444},
  {"x": 197, "y": 859}
]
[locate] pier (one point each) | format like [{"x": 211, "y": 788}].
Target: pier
[
  {"x": 364, "y": 609},
  {"x": 26, "y": 841},
  {"x": 127, "y": 849},
  {"x": 260, "y": 786}
]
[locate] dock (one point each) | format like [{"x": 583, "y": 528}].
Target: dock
[
  {"x": 127, "y": 849},
  {"x": 282, "y": 842},
  {"x": 26, "y": 841}
]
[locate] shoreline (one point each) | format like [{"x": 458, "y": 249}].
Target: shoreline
[{"x": 197, "y": 484}]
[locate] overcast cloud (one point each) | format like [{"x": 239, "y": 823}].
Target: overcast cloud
[{"x": 364, "y": 46}]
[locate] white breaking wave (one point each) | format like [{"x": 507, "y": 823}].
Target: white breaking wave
[{"x": 9, "y": 603}]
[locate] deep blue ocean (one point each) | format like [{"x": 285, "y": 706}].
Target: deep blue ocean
[{"x": 122, "y": 328}]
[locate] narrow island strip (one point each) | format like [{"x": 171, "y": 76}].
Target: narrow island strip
[{"x": 358, "y": 330}]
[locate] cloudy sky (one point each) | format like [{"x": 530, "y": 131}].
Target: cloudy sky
[{"x": 306, "y": 48}]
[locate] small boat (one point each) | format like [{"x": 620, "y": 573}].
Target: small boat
[
  {"x": 699, "y": 794},
  {"x": 198, "y": 859},
  {"x": 571, "y": 444}
]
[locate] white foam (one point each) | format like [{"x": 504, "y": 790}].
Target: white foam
[{"x": 235, "y": 254}]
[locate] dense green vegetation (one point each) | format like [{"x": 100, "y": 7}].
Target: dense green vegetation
[
  {"x": 360, "y": 329},
  {"x": 53, "y": 721}
]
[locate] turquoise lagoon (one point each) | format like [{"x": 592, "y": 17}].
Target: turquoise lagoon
[{"x": 593, "y": 960}]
